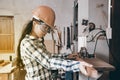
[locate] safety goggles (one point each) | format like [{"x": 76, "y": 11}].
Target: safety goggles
[{"x": 45, "y": 27}]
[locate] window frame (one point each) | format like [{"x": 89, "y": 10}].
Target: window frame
[{"x": 7, "y": 34}]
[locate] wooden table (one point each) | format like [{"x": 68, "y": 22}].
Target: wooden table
[{"x": 99, "y": 64}]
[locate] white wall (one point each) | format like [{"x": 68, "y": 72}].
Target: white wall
[
  {"x": 97, "y": 14},
  {"x": 83, "y": 13},
  {"x": 21, "y": 10}
]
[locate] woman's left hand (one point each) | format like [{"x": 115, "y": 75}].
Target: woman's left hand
[{"x": 72, "y": 56}]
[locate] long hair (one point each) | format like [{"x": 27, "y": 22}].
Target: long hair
[{"x": 26, "y": 30}]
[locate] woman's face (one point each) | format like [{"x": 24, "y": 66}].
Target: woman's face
[{"x": 40, "y": 29}]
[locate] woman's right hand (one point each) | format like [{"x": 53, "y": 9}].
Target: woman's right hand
[
  {"x": 88, "y": 70},
  {"x": 83, "y": 67}
]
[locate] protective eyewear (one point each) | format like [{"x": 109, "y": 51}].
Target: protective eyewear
[{"x": 45, "y": 27}]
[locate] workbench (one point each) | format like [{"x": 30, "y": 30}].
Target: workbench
[{"x": 100, "y": 65}]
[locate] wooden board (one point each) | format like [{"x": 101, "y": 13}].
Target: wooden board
[
  {"x": 99, "y": 64},
  {"x": 2, "y": 64}
]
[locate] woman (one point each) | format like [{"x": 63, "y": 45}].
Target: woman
[{"x": 32, "y": 52}]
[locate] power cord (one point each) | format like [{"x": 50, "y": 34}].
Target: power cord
[
  {"x": 97, "y": 34},
  {"x": 96, "y": 43},
  {"x": 102, "y": 31},
  {"x": 110, "y": 50}
]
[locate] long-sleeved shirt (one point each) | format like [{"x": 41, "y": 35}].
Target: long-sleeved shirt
[{"x": 38, "y": 61}]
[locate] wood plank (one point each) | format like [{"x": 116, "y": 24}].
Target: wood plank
[{"x": 99, "y": 64}]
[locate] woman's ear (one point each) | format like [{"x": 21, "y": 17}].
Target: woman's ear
[{"x": 34, "y": 23}]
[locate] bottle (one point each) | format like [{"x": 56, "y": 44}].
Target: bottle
[{"x": 83, "y": 52}]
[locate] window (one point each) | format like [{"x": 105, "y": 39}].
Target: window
[{"x": 6, "y": 34}]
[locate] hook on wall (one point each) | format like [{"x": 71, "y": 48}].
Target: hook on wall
[{"x": 99, "y": 5}]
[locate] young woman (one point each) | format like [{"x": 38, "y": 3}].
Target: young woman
[{"x": 32, "y": 52}]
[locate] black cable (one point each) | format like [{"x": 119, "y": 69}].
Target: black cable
[
  {"x": 102, "y": 31},
  {"x": 110, "y": 49},
  {"x": 96, "y": 35},
  {"x": 103, "y": 34},
  {"x": 96, "y": 43},
  {"x": 106, "y": 42}
]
